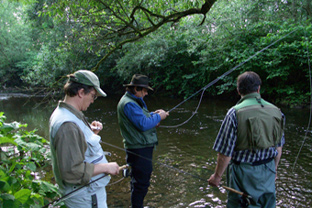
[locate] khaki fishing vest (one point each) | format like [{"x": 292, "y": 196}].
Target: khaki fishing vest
[{"x": 260, "y": 123}]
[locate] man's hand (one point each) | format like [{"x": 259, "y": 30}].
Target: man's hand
[
  {"x": 108, "y": 168},
  {"x": 112, "y": 168},
  {"x": 96, "y": 126},
  {"x": 214, "y": 180},
  {"x": 163, "y": 114}
]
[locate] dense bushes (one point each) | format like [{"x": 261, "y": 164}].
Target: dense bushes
[
  {"x": 180, "y": 58},
  {"x": 23, "y": 155}
]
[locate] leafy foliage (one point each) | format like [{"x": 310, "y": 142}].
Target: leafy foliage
[
  {"x": 178, "y": 44},
  {"x": 23, "y": 154},
  {"x": 184, "y": 60},
  {"x": 117, "y": 22},
  {"x": 15, "y": 43}
]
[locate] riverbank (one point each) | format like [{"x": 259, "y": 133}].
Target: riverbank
[{"x": 20, "y": 93}]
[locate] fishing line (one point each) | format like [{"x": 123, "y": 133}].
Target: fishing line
[
  {"x": 195, "y": 112},
  {"x": 309, "y": 123},
  {"x": 160, "y": 163},
  {"x": 110, "y": 184},
  {"x": 217, "y": 79}
]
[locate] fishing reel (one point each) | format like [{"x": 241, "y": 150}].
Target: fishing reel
[
  {"x": 244, "y": 202},
  {"x": 126, "y": 172}
]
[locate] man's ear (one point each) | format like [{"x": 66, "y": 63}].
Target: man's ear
[
  {"x": 238, "y": 91},
  {"x": 81, "y": 92}
]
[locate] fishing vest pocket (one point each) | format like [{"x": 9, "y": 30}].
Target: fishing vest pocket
[
  {"x": 99, "y": 183},
  {"x": 278, "y": 129},
  {"x": 94, "y": 146},
  {"x": 258, "y": 133}
]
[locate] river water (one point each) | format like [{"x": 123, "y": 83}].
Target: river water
[{"x": 184, "y": 158}]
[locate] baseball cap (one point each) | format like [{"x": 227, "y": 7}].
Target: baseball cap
[{"x": 88, "y": 78}]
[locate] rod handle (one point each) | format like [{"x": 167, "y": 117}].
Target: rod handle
[
  {"x": 123, "y": 167},
  {"x": 237, "y": 192}
]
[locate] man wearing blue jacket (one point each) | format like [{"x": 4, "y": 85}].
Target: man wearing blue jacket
[{"x": 138, "y": 129}]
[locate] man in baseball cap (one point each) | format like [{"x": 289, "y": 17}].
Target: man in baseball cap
[{"x": 77, "y": 155}]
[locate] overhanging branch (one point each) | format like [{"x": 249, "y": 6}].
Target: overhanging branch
[{"x": 139, "y": 33}]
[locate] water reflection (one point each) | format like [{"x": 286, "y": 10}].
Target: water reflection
[{"x": 184, "y": 159}]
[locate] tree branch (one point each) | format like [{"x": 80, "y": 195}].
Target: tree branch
[{"x": 142, "y": 32}]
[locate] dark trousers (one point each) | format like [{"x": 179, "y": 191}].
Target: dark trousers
[{"x": 141, "y": 170}]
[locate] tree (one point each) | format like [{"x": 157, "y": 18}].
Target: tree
[
  {"x": 113, "y": 23},
  {"x": 15, "y": 43}
]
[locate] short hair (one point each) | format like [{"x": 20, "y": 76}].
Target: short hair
[
  {"x": 131, "y": 89},
  {"x": 71, "y": 88},
  {"x": 248, "y": 82}
]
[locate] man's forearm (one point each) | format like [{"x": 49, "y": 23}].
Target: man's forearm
[
  {"x": 278, "y": 157},
  {"x": 222, "y": 162}
]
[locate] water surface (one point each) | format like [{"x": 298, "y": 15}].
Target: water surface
[{"x": 184, "y": 158}]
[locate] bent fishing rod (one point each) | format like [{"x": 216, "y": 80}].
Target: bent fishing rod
[
  {"x": 76, "y": 191},
  {"x": 219, "y": 78}
]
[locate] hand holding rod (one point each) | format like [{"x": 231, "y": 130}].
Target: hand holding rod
[
  {"x": 245, "y": 199},
  {"x": 70, "y": 194},
  {"x": 237, "y": 192}
]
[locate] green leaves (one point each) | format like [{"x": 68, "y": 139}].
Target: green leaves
[
  {"x": 22, "y": 195},
  {"x": 121, "y": 37},
  {"x": 23, "y": 154}
]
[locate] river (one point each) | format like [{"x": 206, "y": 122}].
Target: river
[{"x": 184, "y": 158}]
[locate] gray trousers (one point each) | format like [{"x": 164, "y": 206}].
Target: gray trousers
[
  {"x": 92, "y": 196},
  {"x": 256, "y": 181}
]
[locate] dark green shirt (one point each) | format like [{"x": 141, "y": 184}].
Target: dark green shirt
[{"x": 70, "y": 146}]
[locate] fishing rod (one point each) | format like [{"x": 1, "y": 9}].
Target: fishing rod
[
  {"x": 76, "y": 191},
  {"x": 309, "y": 123},
  {"x": 219, "y": 78},
  {"x": 245, "y": 199}
]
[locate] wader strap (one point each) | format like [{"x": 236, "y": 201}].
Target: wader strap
[{"x": 94, "y": 201}]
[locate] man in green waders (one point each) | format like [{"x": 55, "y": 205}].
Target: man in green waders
[{"x": 249, "y": 145}]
